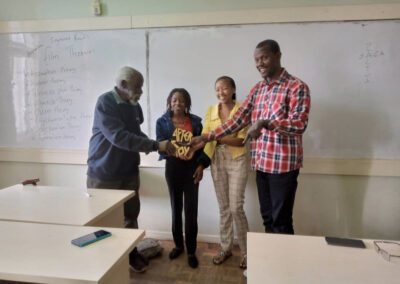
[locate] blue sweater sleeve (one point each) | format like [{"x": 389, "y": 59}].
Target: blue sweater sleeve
[{"x": 115, "y": 131}]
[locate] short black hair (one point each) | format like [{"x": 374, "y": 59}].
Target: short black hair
[
  {"x": 186, "y": 97},
  {"x": 271, "y": 44},
  {"x": 230, "y": 81}
]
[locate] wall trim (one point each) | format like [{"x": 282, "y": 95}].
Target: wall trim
[
  {"x": 347, "y": 166},
  {"x": 312, "y": 165},
  {"x": 272, "y": 15},
  {"x": 59, "y": 156}
]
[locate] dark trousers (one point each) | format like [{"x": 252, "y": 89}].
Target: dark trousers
[
  {"x": 184, "y": 195},
  {"x": 276, "y": 193},
  {"x": 132, "y": 206}
]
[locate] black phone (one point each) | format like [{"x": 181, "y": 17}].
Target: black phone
[
  {"x": 345, "y": 242},
  {"x": 90, "y": 238}
]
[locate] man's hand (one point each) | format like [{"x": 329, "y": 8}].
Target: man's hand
[
  {"x": 167, "y": 147},
  {"x": 198, "y": 140},
  {"x": 195, "y": 144},
  {"x": 193, "y": 149},
  {"x": 198, "y": 174},
  {"x": 189, "y": 155},
  {"x": 255, "y": 130}
]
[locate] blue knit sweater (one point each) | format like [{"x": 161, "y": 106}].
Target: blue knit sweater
[{"x": 117, "y": 139}]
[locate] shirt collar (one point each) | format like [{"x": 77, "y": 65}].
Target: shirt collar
[
  {"x": 118, "y": 98},
  {"x": 215, "y": 110},
  {"x": 280, "y": 80}
]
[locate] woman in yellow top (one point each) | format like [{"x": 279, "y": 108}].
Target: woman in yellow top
[{"x": 229, "y": 169}]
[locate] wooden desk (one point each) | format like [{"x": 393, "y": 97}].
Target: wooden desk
[
  {"x": 43, "y": 253},
  {"x": 275, "y": 258},
  {"x": 63, "y": 205}
]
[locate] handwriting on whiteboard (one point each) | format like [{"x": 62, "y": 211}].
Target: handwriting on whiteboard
[{"x": 368, "y": 56}]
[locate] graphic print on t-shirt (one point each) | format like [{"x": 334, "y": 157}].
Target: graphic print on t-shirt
[{"x": 181, "y": 136}]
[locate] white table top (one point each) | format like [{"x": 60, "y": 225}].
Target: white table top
[
  {"x": 276, "y": 258},
  {"x": 44, "y": 253},
  {"x": 58, "y": 205}
]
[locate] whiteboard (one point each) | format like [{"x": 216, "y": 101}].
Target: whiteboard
[
  {"x": 352, "y": 69},
  {"x": 50, "y": 83}
]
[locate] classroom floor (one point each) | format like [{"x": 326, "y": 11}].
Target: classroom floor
[{"x": 164, "y": 270}]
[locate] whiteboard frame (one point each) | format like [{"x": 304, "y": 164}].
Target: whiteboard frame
[{"x": 333, "y": 166}]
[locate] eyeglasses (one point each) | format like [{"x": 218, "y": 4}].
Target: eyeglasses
[{"x": 385, "y": 254}]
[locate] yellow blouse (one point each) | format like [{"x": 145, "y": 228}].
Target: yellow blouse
[{"x": 212, "y": 121}]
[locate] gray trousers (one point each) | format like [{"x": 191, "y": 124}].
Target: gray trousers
[
  {"x": 230, "y": 177},
  {"x": 132, "y": 206}
]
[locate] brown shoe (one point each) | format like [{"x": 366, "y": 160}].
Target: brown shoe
[
  {"x": 221, "y": 257},
  {"x": 243, "y": 262}
]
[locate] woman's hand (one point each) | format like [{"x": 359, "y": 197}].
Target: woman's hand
[
  {"x": 184, "y": 156},
  {"x": 198, "y": 174},
  {"x": 194, "y": 148},
  {"x": 195, "y": 144}
]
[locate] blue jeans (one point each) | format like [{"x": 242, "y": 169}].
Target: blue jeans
[{"x": 276, "y": 193}]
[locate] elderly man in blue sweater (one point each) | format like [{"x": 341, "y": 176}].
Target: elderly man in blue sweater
[{"x": 115, "y": 145}]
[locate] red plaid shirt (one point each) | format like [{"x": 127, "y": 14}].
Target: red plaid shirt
[{"x": 286, "y": 103}]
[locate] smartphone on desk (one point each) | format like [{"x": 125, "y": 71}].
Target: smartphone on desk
[
  {"x": 345, "y": 242},
  {"x": 90, "y": 238}
]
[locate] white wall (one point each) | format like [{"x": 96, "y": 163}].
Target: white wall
[{"x": 351, "y": 206}]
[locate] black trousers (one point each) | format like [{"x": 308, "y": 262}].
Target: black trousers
[
  {"x": 131, "y": 206},
  {"x": 276, "y": 193},
  {"x": 184, "y": 195}
]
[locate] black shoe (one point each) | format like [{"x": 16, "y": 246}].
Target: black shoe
[
  {"x": 192, "y": 261},
  {"x": 136, "y": 262},
  {"x": 175, "y": 252}
]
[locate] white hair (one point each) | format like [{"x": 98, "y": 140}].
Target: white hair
[{"x": 126, "y": 74}]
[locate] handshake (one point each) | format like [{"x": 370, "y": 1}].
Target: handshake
[{"x": 182, "y": 150}]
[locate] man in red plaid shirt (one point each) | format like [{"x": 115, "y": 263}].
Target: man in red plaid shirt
[{"x": 277, "y": 109}]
